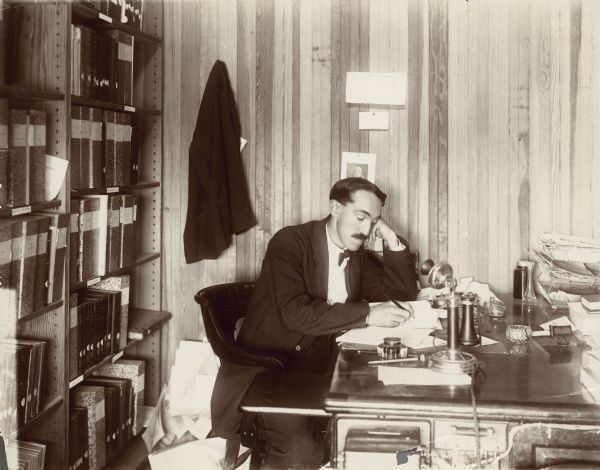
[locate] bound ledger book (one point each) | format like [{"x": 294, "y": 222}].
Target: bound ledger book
[
  {"x": 23, "y": 161},
  {"x": 133, "y": 371},
  {"x": 94, "y": 328},
  {"x": 119, "y": 284},
  {"x": 119, "y": 411},
  {"x": 32, "y": 253},
  {"x": 21, "y": 378},
  {"x": 25, "y": 455},
  {"x": 78, "y": 438},
  {"x": 92, "y": 399}
]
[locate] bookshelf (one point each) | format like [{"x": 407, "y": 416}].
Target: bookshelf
[{"x": 44, "y": 82}]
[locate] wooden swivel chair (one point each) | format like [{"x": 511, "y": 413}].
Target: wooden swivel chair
[{"x": 222, "y": 306}]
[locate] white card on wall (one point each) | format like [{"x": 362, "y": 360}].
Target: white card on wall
[
  {"x": 376, "y": 88},
  {"x": 376, "y": 120}
]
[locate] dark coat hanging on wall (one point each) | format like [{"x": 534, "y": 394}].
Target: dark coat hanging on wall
[{"x": 218, "y": 199}]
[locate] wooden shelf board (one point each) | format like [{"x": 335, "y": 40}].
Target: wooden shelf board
[
  {"x": 41, "y": 311},
  {"x": 115, "y": 189},
  {"x": 49, "y": 408},
  {"x": 122, "y": 108},
  {"x": 87, "y": 16},
  {"x": 21, "y": 93},
  {"x": 157, "y": 320},
  {"x": 142, "y": 258},
  {"x": 146, "y": 322},
  {"x": 14, "y": 211}
]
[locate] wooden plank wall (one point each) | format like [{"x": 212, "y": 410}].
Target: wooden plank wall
[{"x": 498, "y": 141}]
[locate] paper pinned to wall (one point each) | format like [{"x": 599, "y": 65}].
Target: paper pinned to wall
[
  {"x": 376, "y": 88},
  {"x": 376, "y": 120}
]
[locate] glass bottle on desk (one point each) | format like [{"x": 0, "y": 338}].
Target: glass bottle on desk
[{"x": 529, "y": 294}]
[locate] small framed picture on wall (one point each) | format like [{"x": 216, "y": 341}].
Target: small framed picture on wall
[{"x": 361, "y": 165}]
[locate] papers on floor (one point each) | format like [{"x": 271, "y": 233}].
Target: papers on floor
[
  {"x": 414, "y": 333},
  {"x": 391, "y": 375},
  {"x": 185, "y": 404},
  {"x": 211, "y": 452}
]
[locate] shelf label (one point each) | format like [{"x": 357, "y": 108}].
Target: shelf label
[
  {"x": 75, "y": 381},
  {"x": 91, "y": 282},
  {"x": 131, "y": 109},
  {"x": 102, "y": 16},
  {"x": 117, "y": 356},
  {"x": 112, "y": 189},
  {"x": 21, "y": 210}
]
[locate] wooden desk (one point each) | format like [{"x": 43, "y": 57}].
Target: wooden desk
[
  {"x": 529, "y": 405},
  {"x": 296, "y": 394}
]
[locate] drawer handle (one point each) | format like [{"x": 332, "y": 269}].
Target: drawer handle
[{"x": 468, "y": 431}]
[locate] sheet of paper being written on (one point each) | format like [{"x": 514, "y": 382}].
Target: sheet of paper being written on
[
  {"x": 424, "y": 315},
  {"x": 414, "y": 333}
]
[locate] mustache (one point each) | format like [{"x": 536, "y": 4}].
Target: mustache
[{"x": 359, "y": 236}]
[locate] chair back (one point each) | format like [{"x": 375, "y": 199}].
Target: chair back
[{"x": 222, "y": 306}]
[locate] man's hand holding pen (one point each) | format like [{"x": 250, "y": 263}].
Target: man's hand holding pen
[{"x": 389, "y": 314}]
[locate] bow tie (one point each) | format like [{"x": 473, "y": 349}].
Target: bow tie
[{"x": 343, "y": 255}]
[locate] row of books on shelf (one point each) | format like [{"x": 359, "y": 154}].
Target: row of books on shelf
[
  {"x": 110, "y": 403},
  {"x": 32, "y": 263},
  {"x": 98, "y": 319},
  {"x": 129, "y": 12},
  {"x": 102, "y": 64},
  {"x": 25, "y": 455},
  {"x": 104, "y": 148},
  {"x": 102, "y": 235},
  {"x": 22, "y": 156},
  {"x": 21, "y": 368}
]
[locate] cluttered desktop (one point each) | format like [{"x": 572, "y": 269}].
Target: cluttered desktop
[{"x": 474, "y": 380}]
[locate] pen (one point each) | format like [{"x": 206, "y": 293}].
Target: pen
[
  {"x": 390, "y": 361},
  {"x": 399, "y": 305}
]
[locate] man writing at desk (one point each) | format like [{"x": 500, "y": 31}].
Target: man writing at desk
[{"x": 312, "y": 286}]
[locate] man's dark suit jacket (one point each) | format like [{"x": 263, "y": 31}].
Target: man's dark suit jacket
[
  {"x": 289, "y": 312},
  {"x": 218, "y": 200}
]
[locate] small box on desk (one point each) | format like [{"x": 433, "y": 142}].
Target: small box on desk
[{"x": 588, "y": 323}]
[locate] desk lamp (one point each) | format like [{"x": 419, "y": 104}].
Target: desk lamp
[{"x": 451, "y": 360}]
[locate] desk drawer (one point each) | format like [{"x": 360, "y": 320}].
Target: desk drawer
[
  {"x": 358, "y": 439},
  {"x": 460, "y": 434}
]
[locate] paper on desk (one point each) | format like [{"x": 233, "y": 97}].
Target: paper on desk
[
  {"x": 424, "y": 315},
  {"x": 485, "y": 341},
  {"x": 560, "y": 321},
  {"x": 391, "y": 375},
  {"x": 412, "y": 333},
  {"x": 373, "y": 335}
]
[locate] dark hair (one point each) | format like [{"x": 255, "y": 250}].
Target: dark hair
[{"x": 343, "y": 190}]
